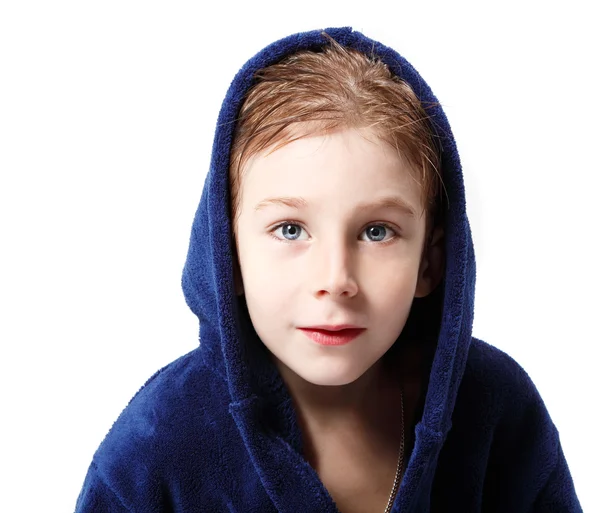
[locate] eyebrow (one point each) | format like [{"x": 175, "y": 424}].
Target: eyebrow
[{"x": 298, "y": 203}]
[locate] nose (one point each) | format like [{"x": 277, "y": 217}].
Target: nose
[{"x": 332, "y": 270}]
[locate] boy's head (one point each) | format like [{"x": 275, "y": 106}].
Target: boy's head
[{"x": 335, "y": 191}]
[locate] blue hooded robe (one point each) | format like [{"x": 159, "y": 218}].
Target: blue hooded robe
[{"x": 216, "y": 430}]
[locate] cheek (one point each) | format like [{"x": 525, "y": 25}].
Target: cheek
[
  {"x": 392, "y": 271},
  {"x": 390, "y": 288},
  {"x": 268, "y": 286},
  {"x": 267, "y": 262}
]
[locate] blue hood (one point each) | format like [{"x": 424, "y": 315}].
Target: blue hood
[{"x": 228, "y": 343}]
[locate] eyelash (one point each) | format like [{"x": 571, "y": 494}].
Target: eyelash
[{"x": 284, "y": 223}]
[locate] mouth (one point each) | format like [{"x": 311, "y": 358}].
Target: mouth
[{"x": 333, "y": 336}]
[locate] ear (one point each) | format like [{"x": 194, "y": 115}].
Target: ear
[
  {"x": 237, "y": 272},
  {"x": 431, "y": 269}
]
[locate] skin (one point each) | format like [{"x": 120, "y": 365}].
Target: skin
[{"x": 326, "y": 258}]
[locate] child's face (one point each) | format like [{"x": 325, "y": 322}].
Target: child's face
[{"x": 336, "y": 260}]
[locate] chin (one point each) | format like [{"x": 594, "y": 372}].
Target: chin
[
  {"x": 329, "y": 377},
  {"x": 332, "y": 382}
]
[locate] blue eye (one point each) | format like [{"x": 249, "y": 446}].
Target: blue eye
[
  {"x": 378, "y": 232},
  {"x": 289, "y": 231}
]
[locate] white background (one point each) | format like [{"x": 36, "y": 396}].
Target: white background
[{"x": 107, "y": 113}]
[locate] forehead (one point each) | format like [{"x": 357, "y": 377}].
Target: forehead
[{"x": 346, "y": 164}]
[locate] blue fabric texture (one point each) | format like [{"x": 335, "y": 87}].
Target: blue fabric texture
[{"x": 216, "y": 430}]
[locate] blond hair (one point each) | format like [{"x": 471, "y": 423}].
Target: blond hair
[{"x": 311, "y": 92}]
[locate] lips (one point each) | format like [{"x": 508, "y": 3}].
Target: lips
[{"x": 333, "y": 336}]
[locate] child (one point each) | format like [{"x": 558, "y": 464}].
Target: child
[{"x": 332, "y": 271}]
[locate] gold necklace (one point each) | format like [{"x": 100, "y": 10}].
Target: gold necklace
[{"x": 394, "y": 491}]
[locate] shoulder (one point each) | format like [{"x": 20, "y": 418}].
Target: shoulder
[
  {"x": 181, "y": 393},
  {"x": 179, "y": 390},
  {"x": 501, "y": 399},
  {"x": 498, "y": 401},
  {"x": 177, "y": 419},
  {"x": 484, "y": 359},
  {"x": 502, "y": 436},
  {"x": 493, "y": 373},
  {"x": 503, "y": 451}
]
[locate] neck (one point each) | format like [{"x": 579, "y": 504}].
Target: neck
[{"x": 362, "y": 404}]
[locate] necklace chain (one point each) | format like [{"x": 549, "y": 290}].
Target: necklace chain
[{"x": 394, "y": 491}]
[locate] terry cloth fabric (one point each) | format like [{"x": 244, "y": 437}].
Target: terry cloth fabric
[{"x": 216, "y": 430}]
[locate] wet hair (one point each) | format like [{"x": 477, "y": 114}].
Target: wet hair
[{"x": 314, "y": 92}]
